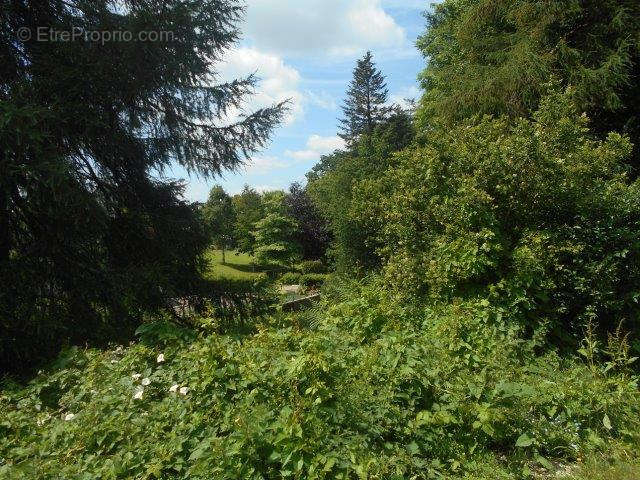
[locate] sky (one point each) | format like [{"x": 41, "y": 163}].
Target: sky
[{"x": 305, "y": 50}]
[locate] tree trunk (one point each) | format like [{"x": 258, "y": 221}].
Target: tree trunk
[{"x": 224, "y": 259}]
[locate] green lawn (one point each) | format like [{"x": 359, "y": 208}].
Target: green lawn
[{"x": 237, "y": 266}]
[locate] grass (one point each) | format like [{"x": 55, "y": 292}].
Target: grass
[
  {"x": 238, "y": 265},
  {"x": 598, "y": 469}
]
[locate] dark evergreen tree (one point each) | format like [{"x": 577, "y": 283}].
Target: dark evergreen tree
[
  {"x": 90, "y": 237},
  {"x": 364, "y": 106}
]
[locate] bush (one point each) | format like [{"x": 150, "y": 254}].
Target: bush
[
  {"x": 235, "y": 303},
  {"x": 534, "y": 215},
  {"x": 311, "y": 266},
  {"x": 290, "y": 278},
  {"x": 372, "y": 392}
]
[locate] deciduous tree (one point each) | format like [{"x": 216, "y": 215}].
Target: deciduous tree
[
  {"x": 275, "y": 234},
  {"x": 220, "y": 218}
]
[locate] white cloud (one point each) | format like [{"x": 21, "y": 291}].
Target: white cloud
[
  {"x": 264, "y": 164},
  {"x": 324, "y": 144},
  {"x": 321, "y": 99},
  {"x": 266, "y": 188},
  {"x": 408, "y": 93},
  {"x": 334, "y": 27},
  {"x": 278, "y": 81},
  {"x": 316, "y": 147},
  {"x": 302, "y": 155}
]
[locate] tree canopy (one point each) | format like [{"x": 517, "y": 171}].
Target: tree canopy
[
  {"x": 275, "y": 234},
  {"x": 495, "y": 57},
  {"x": 220, "y": 218}
]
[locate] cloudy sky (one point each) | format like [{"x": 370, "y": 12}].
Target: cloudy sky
[{"x": 306, "y": 51}]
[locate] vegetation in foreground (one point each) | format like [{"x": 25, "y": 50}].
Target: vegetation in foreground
[{"x": 360, "y": 388}]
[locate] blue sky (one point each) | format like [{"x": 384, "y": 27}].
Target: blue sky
[{"x": 306, "y": 51}]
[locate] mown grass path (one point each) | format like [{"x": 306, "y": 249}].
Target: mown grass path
[{"x": 237, "y": 266}]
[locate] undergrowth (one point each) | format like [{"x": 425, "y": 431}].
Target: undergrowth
[{"x": 361, "y": 388}]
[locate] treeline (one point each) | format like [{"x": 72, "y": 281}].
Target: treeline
[
  {"x": 278, "y": 228},
  {"x": 316, "y": 221}
]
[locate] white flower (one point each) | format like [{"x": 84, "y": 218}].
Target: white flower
[
  {"x": 184, "y": 390},
  {"x": 174, "y": 388},
  {"x": 137, "y": 393},
  {"x": 145, "y": 381},
  {"x": 68, "y": 417},
  {"x": 136, "y": 376},
  {"x": 160, "y": 358}
]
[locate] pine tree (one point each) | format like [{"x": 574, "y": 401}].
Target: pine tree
[{"x": 365, "y": 106}]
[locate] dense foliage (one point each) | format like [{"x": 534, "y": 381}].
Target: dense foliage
[
  {"x": 335, "y": 180},
  {"x": 263, "y": 224},
  {"x": 249, "y": 209},
  {"x": 369, "y": 390},
  {"x": 220, "y": 218},
  {"x": 483, "y": 320},
  {"x": 312, "y": 232},
  {"x": 534, "y": 214},
  {"x": 275, "y": 234},
  {"x": 495, "y": 56}
]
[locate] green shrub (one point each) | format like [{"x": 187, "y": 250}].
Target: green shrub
[
  {"x": 372, "y": 391},
  {"x": 311, "y": 266},
  {"x": 534, "y": 215},
  {"x": 290, "y": 278},
  {"x": 230, "y": 303}
]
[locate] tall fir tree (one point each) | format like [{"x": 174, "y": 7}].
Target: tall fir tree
[
  {"x": 90, "y": 236},
  {"x": 364, "y": 106}
]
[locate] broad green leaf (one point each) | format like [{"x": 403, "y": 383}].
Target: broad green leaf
[
  {"x": 606, "y": 422},
  {"x": 544, "y": 462},
  {"x": 524, "y": 441}
]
